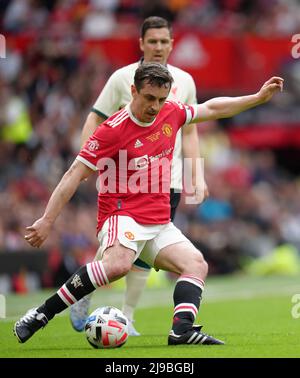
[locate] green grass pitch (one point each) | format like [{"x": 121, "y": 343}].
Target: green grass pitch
[{"x": 252, "y": 315}]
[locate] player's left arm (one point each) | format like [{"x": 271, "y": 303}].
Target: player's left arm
[
  {"x": 191, "y": 148},
  {"x": 191, "y": 151},
  {"x": 225, "y": 107}
]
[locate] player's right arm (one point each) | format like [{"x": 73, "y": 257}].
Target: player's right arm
[
  {"x": 40, "y": 229},
  {"x": 92, "y": 122},
  {"x": 107, "y": 103}
]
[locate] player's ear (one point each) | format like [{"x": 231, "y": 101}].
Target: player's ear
[
  {"x": 141, "y": 44},
  {"x": 133, "y": 90},
  {"x": 171, "y": 44}
]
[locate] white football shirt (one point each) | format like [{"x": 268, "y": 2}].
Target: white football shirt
[{"x": 116, "y": 94}]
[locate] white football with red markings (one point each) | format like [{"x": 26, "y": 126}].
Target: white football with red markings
[{"x": 106, "y": 327}]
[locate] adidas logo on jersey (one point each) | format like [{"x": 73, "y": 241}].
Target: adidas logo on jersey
[{"x": 138, "y": 144}]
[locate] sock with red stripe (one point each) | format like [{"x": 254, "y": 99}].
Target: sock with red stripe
[
  {"x": 187, "y": 296},
  {"x": 81, "y": 283}
]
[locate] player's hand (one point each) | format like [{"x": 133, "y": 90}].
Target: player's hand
[
  {"x": 201, "y": 193},
  {"x": 273, "y": 85},
  {"x": 38, "y": 232}
]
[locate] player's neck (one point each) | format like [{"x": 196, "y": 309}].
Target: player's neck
[
  {"x": 134, "y": 117},
  {"x": 142, "y": 60}
]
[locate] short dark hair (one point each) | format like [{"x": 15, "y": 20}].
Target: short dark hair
[
  {"x": 152, "y": 73},
  {"x": 155, "y": 22}
]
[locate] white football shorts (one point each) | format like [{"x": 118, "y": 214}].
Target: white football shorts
[{"x": 136, "y": 236}]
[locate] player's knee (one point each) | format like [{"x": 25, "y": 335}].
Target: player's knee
[
  {"x": 120, "y": 268},
  {"x": 200, "y": 265},
  {"x": 204, "y": 267},
  {"x": 117, "y": 261},
  {"x": 117, "y": 268}
]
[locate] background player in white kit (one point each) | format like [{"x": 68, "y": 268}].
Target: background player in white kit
[
  {"x": 130, "y": 220},
  {"x": 156, "y": 43}
]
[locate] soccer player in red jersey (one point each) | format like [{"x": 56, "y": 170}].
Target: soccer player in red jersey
[
  {"x": 156, "y": 43},
  {"x": 133, "y": 200}
]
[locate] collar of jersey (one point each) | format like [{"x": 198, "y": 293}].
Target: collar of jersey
[{"x": 135, "y": 120}]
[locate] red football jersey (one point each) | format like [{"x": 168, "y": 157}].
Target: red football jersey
[{"x": 134, "y": 163}]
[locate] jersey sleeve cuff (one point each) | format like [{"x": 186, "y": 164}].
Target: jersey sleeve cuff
[
  {"x": 195, "y": 115},
  {"x": 100, "y": 114},
  {"x": 86, "y": 162}
]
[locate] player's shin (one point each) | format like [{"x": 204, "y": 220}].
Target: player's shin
[
  {"x": 187, "y": 296},
  {"x": 135, "y": 284},
  {"x": 81, "y": 283}
]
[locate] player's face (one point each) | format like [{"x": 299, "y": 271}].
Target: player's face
[
  {"x": 156, "y": 45},
  {"x": 148, "y": 102}
]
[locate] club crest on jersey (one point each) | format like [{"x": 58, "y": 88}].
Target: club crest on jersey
[
  {"x": 153, "y": 137},
  {"x": 167, "y": 130},
  {"x": 129, "y": 235},
  {"x": 93, "y": 145}
]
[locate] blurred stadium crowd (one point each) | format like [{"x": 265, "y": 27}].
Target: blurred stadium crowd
[
  {"x": 46, "y": 94},
  {"x": 102, "y": 18}
]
